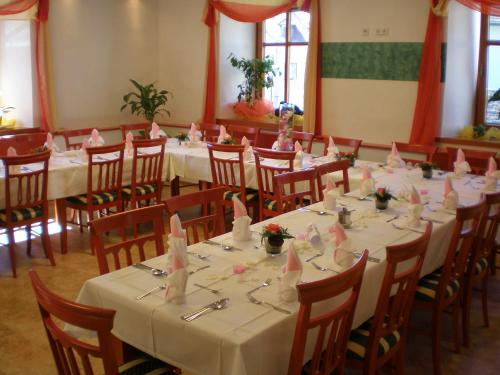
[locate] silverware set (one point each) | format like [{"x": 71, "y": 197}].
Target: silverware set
[
  {"x": 322, "y": 269},
  {"x": 145, "y": 294},
  {"x": 152, "y": 270},
  {"x": 256, "y": 301},
  {"x": 217, "y": 305}
]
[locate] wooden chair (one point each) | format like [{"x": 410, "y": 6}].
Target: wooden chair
[
  {"x": 331, "y": 167},
  {"x": 303, "y": 137},
  {"x": 289, "y": 196},
  {"x": 209, "y": 132},
  {"x": 334, "y": 325},
  {"x": 147, "y": 172},
  {"x": 479, "y": 265},
  {"x": 211, "y": 220},
  {"x": 478, "y": 160},
  {"x": 240, "y": 131},
  {"x": 229, "y": 172},
  {"x": 352, "y": 143},
  {"x": 26, "y": 200},
  {"x": 140, "y": 131},
  {"x": 104, "y": 187},
  {"x": 69, "y": 136},
  {"x": 426, "y": 151},
  {"x": 72, "y": 355},
  {"x": 17, "y": 131},
  {"x": 265, "y": 173},
  {"x": 443, "y": 288},
  {"x": 23, "y": 143},
  {"x": 387, "y": 330},
  {"x": 122, "y": 221}
]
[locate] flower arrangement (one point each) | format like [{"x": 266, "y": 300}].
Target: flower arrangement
[
  {"x": 228, "y": 140},
  {"x": 274, "y": 235},
  {"x": 426, "y": 166},
  {"x": 182, "y": 137},
  {"x": 383, "y": 195},
  {"x": 344, "y": 155}
]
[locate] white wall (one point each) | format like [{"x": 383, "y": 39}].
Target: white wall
[{"x": 96, "y": 47}]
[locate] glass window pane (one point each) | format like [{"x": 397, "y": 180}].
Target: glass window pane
[
  {"x": 494, "y": 28},
  {"x": 277, "y": 92},
  {"x": 275, "y": 29},
  {"x": 296, "y": 75},
  {"x": 300, "y": 27},
  {"x": 493, "y": 86}
]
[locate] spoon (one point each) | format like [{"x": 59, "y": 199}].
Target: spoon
[
  {"x": 199, "y": 256},
  {"x": 218, "y": 305},
  {"x": 154, "y": 271},
  {"x": 159, "y": 287},
  {"x": 322, "y": 269}
]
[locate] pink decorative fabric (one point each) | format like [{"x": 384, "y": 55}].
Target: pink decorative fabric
[
  {"x": 155, "y": 129},
  {"x": 222, "y": 132},
  {"x": 298, "y": 146},
  {"x": 50, "y": 140},
  {"x": 175, "y": 264},
  {"x": 95, "y": 136},
  {"x": 366, "y": 173},
  {"x": 415, "y": 197},
  {"x": 245, "y": 142},
  {"x": 492, "y": 167},
  {"x": 460, "y": 156},
  {"x": 292, "y": 262},
  {"x": 128, "y": 140},
  {"x": 11, "y": 151},
  {"x": 239, "y": 208},
  {"x": 238, "y": 269},
  {"x": 448, "y": 186},
  {"x": 331, "y": 143},
  {"x": 192, "y": 132},
  {"x": 394, "y": 150},
  {"x": 340, "y": 235},
  {"x": 176, "y": 227}
]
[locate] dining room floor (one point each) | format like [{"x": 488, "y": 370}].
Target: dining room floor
[{"x": 24, "y": 347}]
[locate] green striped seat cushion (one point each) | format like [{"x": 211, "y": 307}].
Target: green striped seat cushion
[
  {"x": 481, "y": 265},
  {"x": 97, "y": 199},
  {"x": 251, "y": 195},
  {"x": 139, "y": 190},
  {"x": 356, "y": 346},
  {"x": 22, "y": 214},
  {"x": 273, "y": 204},
  {"x": 427, "y": 287},
  {"x": 147, "y": 365}
]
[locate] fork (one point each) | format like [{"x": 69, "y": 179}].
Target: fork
[
  {"x": 322, "y": 269},
  {"x": 214, "y": 291},
  {"x": 198, "y": 269},
  {"x": 259, "y": 302},
  {"x": 314, "y": 257},
  {"x": 263, "y": 285},
  {"x": 199, "y": 256}
]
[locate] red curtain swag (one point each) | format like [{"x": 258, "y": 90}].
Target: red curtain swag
[{"x": 489, "y": 7}]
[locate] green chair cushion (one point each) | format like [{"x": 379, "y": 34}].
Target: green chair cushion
[
  {"x": 427, "y": 287},
  {"x": 22, "y": 214},
  {"x": 97, "y": 199}
]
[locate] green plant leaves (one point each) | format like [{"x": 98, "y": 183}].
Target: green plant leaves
[{"x": 149, "y": 101}]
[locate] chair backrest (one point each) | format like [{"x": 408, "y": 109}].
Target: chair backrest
[
  {"x": 17, "y": 131},
  {"x": 404, "y": 263},
  {"x": 147, "y": 166},
  {"x": 70, "y": 353},
  {"x": 209, "y": 132},
  {"x": 140, "y": 131},
  {"x": 353, "y": 143},
  {"x": 23, "y": 143},
  {"x": 240, "y": 131},
  {"x": 211, "y": 219},
  {"x": 226, "y": 164},
  {"x": 330, "y": 167},
  {"x": 134, "y": 239},
  {"x": 304, "y": 138},
  {"x": 26, "y": 179},
  {"x": 333, "y": 326},
  {"x": 478, "y": 160},
  {"x": 295, "y": 189},
  {"x": 425, "y": 150},
  {"x": 104, "y": 173},
  {"x": 459, "y": 250},
  {"x": 69, "y": 135}
]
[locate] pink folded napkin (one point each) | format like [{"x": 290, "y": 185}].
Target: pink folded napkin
[
  {"x": 156, "y": 132},
  {"x": 128, "y": 143},
  {"x": 11, "y": 151},
  {"x": 460, "y": 156},
  {"x": 241, "y": 223},
  {"x": 415, "y": 197},
  {"x": 450, "y": 195},
  {"x": 192, "y": 132},
  {"x": 95, "y": 139},
  {"x": 177, "y": 262},
  {"x": 13, "y": 169},
  {"x": 393, "y": 159},
  {"x": 342, "y": 255},
  {"x": 330, "y": 194},
  {"x": 176, "y": 227},
  {"x": 490, "y": 183},
  {"x": 222, "y": 134},
  {"x": 291, "y": 274},
  {"x": 83, "y": 150},
  {"x": 461, "y": 165},
  {"x": 314, "y": 238},
  {"x": 298, "y": 146},
  {"x": 245, "y": 142},
  {"x": 367, "y": 184},
  {"x": 50, "y": 141},
  {"x": 415, "y": 209},
  {"x": 331, "y": 150},
  {"x": 492, "y": 167}
]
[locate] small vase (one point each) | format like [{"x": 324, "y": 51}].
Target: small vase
[
  {"x": 427, "y": 173},
  {"x": 381, "y": 205},
  {"x": 273, "y": 245}
]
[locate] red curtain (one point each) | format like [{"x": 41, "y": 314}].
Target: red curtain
[
  {"x": 19, "y": 6},
  {"x": 489, "y": 7}
]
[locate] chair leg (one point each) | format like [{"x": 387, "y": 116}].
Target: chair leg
[
  {"x": 28, "y": 239},
  {"x": 466, "y": 308},
  {"x": 47, "y": 247},
  {"x": 63, "y": 221},
  {"x": 80, "y": 220},
  {"x": 456, "y": 326},
  {"x": 437, "y": 327},
  {"x": 90, "y": 216},
  {"x": 12, "y": 253},
  {"x": 484, "y": 295}
]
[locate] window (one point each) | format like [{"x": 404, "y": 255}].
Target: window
[
  {"x": 489, "y": 72},
  {"x": 285, "y": 38}
]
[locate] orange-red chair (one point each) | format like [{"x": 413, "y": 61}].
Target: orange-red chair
[
  {"x": 26, "y": 200},
  {"x": 335, "y": 166},
  {"x": 333, "y": 326},
  {"x": 71, "y": 355},
  {"x": 382, "y": 339},
  {"x": 239, "y": 131},
  {"x": 80, "y": 134},
  {"x": 104, "y": 187},
  {"x": 426, "y": 151},
  {"x": 352, "y": 143},
  {"x": 478, "y": 160},
  {"x": 99, "y": 228},
  {"x": 18, "y": 131},
  {"x": 294, "y": 190},
  {"x": 22, "y": 143},
  {"x": 304, "y": 138},
  {"x": 140, "y": 131},
  {"x": 209, "y": 132}
]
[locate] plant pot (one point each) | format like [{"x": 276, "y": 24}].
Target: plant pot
[
  {"x": 381, "y": 205},
  {"x": 427, "y": 173},
  {"x": 273, "y": 245}
]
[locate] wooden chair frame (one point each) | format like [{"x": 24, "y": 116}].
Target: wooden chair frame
[
  {"x": 23, "y": 143},
  {"x": 209, "y": 132},
  {"x": 145, "y": 127},
  {"x": 302, "y": 137},
  {"x": 18, "y": 131},
  {"x": 341, "y": 141},
  {"x": 331, "y": 167},
  {"x": 426, "y": 150},
  {"x": 69, "y": 134},
  {"x": 288, "y": 197},
  {"x": 478, "y": 160},
  {"x": 240, "y": 131}
]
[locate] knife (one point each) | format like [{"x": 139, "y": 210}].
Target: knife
[{"x": 204, "y": 308}]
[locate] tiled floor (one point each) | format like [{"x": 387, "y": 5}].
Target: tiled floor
[{"x": 24, "y": 348}]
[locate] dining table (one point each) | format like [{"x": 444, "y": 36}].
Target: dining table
[{"x": 247, "y": 337}]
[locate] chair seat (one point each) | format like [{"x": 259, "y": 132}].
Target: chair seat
[
  {"x": 147, "y": 365},
  {"x": 481, "y": 265},
  {"x": 22, "y": 214},
  {"x": 356, "y": 346},
  {"x": 427, "y": 287},
  {"x": 251, "y": 195},
  {"x": 97, "y": 199},
  {"x": 272, "y": 205},
  {"x": 139, "y": 190}
]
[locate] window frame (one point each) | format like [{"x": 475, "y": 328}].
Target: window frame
[{"x": 260, "y": 45}]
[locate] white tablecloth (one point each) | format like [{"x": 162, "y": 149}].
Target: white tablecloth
[{"x": 252, "y": 339}]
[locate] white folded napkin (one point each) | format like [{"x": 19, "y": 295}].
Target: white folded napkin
[
  {"x": 275, "y": 146},
  {"x": 177, "y": 263},
  {"x": 291, "y": 274},
  {"x": 331, "y": 150},
  {"x": 490, "y": 183},
  {"x": 450, "y": 201},
  {"x": 299, "y": 156},
  {"x": 367, "y": 183},
  {"x": 248, "y": 150},
  {"x": 314, "y": 238},
  {"x": 156, "y": 132},
  {"x": 415, "y": 209},
  {"x": 241, "y": 223},
  {"x": 330, "y": 194},
  {"x": 492, "y": 168},
  {"x": 13, "y": 169},
  {"x": 194, "y": 134},
  {"x": 49, "y": 143},
  {"x": 343, "y": 253},
  {"x": 95, "y": 139},
  {"x": 393, "y": 159},
  {"x": 461, "y": 165},
  {"x": 129, "y": 147},
  {"x": 223, "y": 134}
]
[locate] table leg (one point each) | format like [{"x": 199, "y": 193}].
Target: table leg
[{"x": 174, "y": 187}]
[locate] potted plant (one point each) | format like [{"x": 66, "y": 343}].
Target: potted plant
[
  {"x": 273, "y": 237},
  {"x": 228, "y": 141},
  {"x": 382, "y": 197},
  {"x": 427, "y": 168},
  {"x": 182, "y": 137},
  {"x": 342, "y": 155},
  {"x": 147, "y": 102}
]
